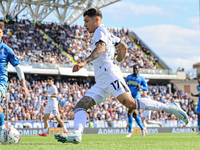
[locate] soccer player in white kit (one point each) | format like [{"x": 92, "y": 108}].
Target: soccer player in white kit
[
  {"x": 146, "y": 115},
  {"x": 52, "y": 107},
  {"x": 108, "y": 77}
]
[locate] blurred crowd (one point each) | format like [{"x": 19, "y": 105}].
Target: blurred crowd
[
  {"x": 30, "y": 44},
  {"x": 70, "y": 93}
]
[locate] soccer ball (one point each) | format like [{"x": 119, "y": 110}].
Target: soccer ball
[{"x": 9, "y": 136}]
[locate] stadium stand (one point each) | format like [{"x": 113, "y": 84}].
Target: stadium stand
[
  {"x": 32, "y": 46},
  {"x": 51, "y": 45}
]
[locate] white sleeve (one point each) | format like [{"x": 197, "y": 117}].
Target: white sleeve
[
  {"x": 20, "y": 73},
  {"x": 100, "y": 35},
  {"x": 54, "y": 90},
  {"x": 117, "y": 40}
]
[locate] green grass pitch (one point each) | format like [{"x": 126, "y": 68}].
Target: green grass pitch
[{"x": 161, "y": 141}]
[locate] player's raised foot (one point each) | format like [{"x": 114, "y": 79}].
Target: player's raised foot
[
  {"x": 74, "y": 138},
  {"x": 42, "y": 134},
  {"x": 178, "y": 112},
  {"x": 129, "y": 134},
  {"x": 144, "y": 132}
]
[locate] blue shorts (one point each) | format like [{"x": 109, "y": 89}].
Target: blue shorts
[
  {"x": 198, "y": 109},
  {"x": 3, "y": 89}
]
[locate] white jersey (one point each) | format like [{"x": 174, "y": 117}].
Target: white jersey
[
  {"x": 108, "y": 76},
  {"x": 52, "y": 105},
  {"x": 51, "y": 91},
  {"x": 105, "y": 61}
]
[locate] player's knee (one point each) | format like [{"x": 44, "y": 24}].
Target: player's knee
[
  {"x": 130, "y": 112},
  {"x": 198, "y": 116},
  {"x": 134, "y": 114}
]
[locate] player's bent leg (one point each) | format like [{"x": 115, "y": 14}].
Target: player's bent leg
[
  {"x": 174, "y": 108},
  {"x": 130, "y": 123},
  {"x": 138, "y": 121},
  {"x": 147, "y": 104},
  {"x": 46, "y": 118},
  {"x": 198, "y": 115},
  {"x": 61, "y": 123},
  {"x": 79, "y": 121},
  {"x": 2, "y": 125},
  {"x": 127, "y": 100}
]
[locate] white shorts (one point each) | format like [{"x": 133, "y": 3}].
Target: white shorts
[
  {"x": 106, "y": 85},
  {"x": 52, "y": 108},
  {"x": 146, "y": 114}
]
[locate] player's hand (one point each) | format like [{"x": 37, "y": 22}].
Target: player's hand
[
  {"x": 192, "y": 94},
  {"x": 45, "y": 95},
  {"x": 78, "y": 66},
  {"x": 138, "y": 86},
  {"x": 26, "y": 92}
]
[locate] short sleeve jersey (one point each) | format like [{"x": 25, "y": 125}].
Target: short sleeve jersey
[
  {"x": 105, "y": 61},
  {"x": 6, "y": 55},
  {"x": 51, "y": 91},
  {"x": 133, "y": 81}
]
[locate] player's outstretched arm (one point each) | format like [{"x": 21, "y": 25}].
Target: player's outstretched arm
[
  {"x": 197, "y": 95},
  {"x": 22, "y": 80},
  {"x": 98, "y": 51},
  {"x": 122, "y": 49}
]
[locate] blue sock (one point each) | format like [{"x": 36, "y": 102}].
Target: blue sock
[
  {"x": 130, "y": 123},
  {"x": 199, "y": 125},
  {"x": 138, "y": 120},
  {"x": 1, "y": 119}
]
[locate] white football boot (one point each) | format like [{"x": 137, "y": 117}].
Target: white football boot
[
  {"x": 74, "y": 137},
  {"x": 178, "y": 112},
  {"x": 129, "y": 134}
]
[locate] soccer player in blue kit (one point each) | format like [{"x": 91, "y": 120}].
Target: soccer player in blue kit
[
  {"x": 7, "y": 55},
  {"x": 198, "y": 106},
  {"x": 135, "y": 83}
]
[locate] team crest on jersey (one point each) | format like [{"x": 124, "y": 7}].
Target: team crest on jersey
[
  {"x": 16, "y": 57},
  {"x": 4, "y": 51}
]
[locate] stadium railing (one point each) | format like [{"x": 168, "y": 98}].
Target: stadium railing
[{"x": 90, "y": 68}]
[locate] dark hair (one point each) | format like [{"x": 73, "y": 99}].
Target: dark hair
[
  {"x": 198, "y": 75},
  {"x": 93, "y": 12},
  {"x": 136, "y": 66},
  {"x": 50, "y": 78},
  {"x": 1, "y": 25}
]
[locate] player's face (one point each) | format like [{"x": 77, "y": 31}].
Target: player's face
[
  {"x": 49, "y": 82},
  {"x": 1, "y": 34},
  {"x": 136, "y": 70},
  {"x": 90, "y": 23}
]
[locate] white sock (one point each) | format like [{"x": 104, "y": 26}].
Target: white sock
[
  {"x": 64, "y": 129},
  {"x": 154, "y": 122},
  {"x": 80, "y": 120},
  {"x": 45, "y": 130},
  {"x": 148, "y": 104},
  {"x": 144, "y": 123}
]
